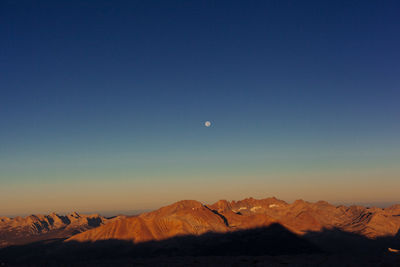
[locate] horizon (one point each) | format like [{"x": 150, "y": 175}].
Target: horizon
[
  {"x": 128, "y": 106},
  {"x": 134, "y": 212}
]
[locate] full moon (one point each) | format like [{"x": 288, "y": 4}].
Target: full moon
[{"x": 207, "y": 124}]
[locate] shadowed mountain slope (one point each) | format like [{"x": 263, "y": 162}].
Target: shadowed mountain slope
[
  {"x": 273, "y": 245},
  {"x": 272, "y": 240}
]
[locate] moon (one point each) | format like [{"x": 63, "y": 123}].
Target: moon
[{"x": 207, "y": 124}]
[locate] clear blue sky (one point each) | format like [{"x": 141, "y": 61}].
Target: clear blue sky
[{"x": 103, "y": 103}]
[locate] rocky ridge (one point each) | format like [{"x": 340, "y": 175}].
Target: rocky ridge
[{"x": 21, "y": 230}]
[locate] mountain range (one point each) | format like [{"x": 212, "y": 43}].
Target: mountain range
[
  {"x": 190, "y": 217},
  {"x": 247, "y": 227},
  {"x": 22, "y": 230}
]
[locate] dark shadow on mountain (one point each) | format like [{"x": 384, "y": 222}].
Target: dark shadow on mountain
[
  {"x": 94, "y": 222},
  {"x": 272, "y": 241},
  {"x": 220, "y": 215},
  {"x": 337, "y": 241},
  {"x": 397, "y": 236}
]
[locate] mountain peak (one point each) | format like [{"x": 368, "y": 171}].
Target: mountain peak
[
  {"x": 188, "y": 204},
  {"x": 183, "y": 205}
]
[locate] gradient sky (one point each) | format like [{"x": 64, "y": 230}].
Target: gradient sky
[{"x": 103, "y": 103}]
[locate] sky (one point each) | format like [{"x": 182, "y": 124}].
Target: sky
[{"x": 103, "y": 103}]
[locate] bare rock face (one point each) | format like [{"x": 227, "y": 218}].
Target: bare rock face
[{"x": 21, "y": 230}]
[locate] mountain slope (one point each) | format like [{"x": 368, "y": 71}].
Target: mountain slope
[
  {"x": 186, "y": 217},
  {"x": 21, "y": 230},
  {"x": 190, "y": 217}
]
